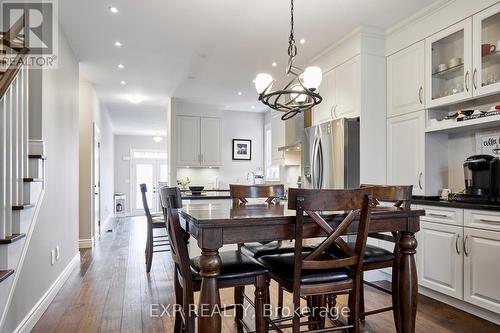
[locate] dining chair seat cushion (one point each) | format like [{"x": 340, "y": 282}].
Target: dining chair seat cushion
[
  {"x": 258, "y": 250},
  {"x": 282, "y": 265},
  {"x": 234, "y": 265},
  {"x": 373, "y": 254}
]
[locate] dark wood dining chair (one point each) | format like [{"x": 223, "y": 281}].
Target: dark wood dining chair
[
  {"x": 237, "y": 270},
  {"x": 378, "y": 257},
  {"x": 272, "y": 193},
  {"x": 318, "y": 273},
  {"x": 154, "y": 243}
]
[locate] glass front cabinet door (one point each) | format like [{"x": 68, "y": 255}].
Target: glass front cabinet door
[
  {"x": 486, "y": 51},
  {"x": 448, "y": 65}
]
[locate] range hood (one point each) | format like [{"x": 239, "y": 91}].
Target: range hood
[
  {"x": 297, "y": 146},
  {"x": 294, "y": 132}
]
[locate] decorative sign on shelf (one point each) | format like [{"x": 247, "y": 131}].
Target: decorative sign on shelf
[{"x": 488, "y": 143}]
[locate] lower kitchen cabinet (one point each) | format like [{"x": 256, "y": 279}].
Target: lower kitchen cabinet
[
  {"x": 482, "y": 268},
  {"x": 440, "y": 261}
]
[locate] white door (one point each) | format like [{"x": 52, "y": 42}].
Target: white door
[
  {"x": 348, "y": 88},
  {"x": 211, "y": 141},
  {"x": 405, "y": 80},
  {"x": 448, "y": 65},
  {"x": 325, "y": 110},
  {"x": 481, "y": 268},
  {"x": 440, "y": 260},
  {"x": 486, "y": 72},
  {"x": 153, "y": 173},
  {"x": 405, "y": 151},
  {"x": 188, "y": 141},
  {"x": 96, "y": 182}
]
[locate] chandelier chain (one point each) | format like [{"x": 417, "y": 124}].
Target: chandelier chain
[{"x": 292, "y": 48}]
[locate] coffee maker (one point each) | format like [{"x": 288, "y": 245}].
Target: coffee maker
[{"x": 482, "y": 175}]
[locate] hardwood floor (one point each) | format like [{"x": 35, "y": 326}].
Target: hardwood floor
[{"x": 111, "y": 292}]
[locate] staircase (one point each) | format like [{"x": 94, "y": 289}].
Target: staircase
[{"x": 22, "y": 163}]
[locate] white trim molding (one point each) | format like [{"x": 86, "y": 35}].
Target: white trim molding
[
  {"x": 36, "y": 313},
  {"x": 86, "y": 243}
]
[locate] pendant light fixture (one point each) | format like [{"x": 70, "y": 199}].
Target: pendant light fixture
[{"x": 301, "y": 91}]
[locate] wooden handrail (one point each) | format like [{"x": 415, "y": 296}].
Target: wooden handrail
[{"x": 13, "y": 32}]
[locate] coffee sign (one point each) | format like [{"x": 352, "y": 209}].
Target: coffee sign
[{"x": 488, "y": 143}]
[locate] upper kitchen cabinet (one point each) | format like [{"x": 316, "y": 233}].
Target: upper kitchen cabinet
[
  {"x": 324, "y": 111},
  {"x": 199, "y": 141},
  {"x": 405, "y": 80},
  {"x": 406, "y": 151},
  {"x": 449, "y": 64},
  {"x": 486, "y": 51},
  {"x": 348, "y": 89}
]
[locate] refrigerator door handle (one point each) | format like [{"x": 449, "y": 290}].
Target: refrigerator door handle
[
  {"x": 313, "y": 163},
  {"x": 321, "y": 166}
]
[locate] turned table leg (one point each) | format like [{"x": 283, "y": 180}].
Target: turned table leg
[
  {"x": 209, "y": 320},
  {"x": 407, "y": 284}
]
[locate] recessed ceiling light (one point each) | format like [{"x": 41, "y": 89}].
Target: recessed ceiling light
[
  {"x": 118, "y": 44},
  {"x": 121, "y": 66},
  {"x": 113, "y": 10},
  {"x": 253, "y": 107},
  {"x": 135, "y": 99},
  {"x": 240, "y": 93},
  {"x": 157, "y": 138},
  {"x": 253, "y": 81},
  {"x": 302, "y": 41},
  {"x": 274, "y": 64},
  {"x": 123, "y": 83}
]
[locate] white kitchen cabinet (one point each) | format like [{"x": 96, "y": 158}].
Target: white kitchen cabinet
[
  {"x": 405, "y": 80},
  {"x": 348, "y": 89},
  {"x": 449, "y": 82},
  {"x": 211, "y": 141},
  {"x": 199, "y": 141},
  {"x": 440, "y": 261},
  {"x": 481, "y": 268},
  {"x": 444, "y": 215},
  {"x": 486, "y": 65},
  {"x": 482, "y": 219},
  {"x": 324, "y": 111},
  {"x": 405, "y": 151},
  {"x": 188, "y": 141}
]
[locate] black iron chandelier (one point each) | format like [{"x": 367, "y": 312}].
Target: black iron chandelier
[{"x": 300, "y": 93}]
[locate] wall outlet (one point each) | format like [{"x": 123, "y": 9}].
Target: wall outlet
[
  {"x": 58, "y": 252},
  {"x": 52, "y": 257}
]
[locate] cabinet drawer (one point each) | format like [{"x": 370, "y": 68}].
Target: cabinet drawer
[
  {"x": 481, "y": 219},
  {"x": 445, "y": 215}
]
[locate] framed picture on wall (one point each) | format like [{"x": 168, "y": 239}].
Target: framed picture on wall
[{"x": 242, "y": 150}]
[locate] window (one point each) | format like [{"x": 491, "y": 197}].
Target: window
[{"x": 144, "y": 154}]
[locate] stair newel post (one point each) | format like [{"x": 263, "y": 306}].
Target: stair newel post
[
  {"x": 8, "y": 162},
  {"x": 25, "y": 140}
]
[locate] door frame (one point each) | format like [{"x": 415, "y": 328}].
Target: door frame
[
  {"x": 95, "y": 227},
  {"x": 132, "y": 210}
]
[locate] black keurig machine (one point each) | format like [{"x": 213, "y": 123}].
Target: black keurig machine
[{"x": 482, "y": 175}]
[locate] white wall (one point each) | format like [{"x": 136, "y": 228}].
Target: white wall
[
  {"x": 236, "y": 125},
  {"x": 123, "y": 144},
  {"x": 58, "y": 218},
  {"x": 91, "y": 111}
]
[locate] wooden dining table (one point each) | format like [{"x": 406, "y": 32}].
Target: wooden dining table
[{"x": 215, "y": 225}]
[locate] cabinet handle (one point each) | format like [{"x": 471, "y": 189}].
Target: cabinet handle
[
  {"x": 420, "y": 180},
  {"x": 467, "y": 76},
  {"x": 420, "y": 95},
  {"x": 488, "y": 221},
  {"x": 441, "y": 216},
  {"x": 474, "y": 78},
  {"x": 457, "y": 247},
  {"x": 466, "y": 241}
]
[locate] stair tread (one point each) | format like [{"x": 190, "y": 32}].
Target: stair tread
[
  {"x": 5, "y": 274},
  {"x": 31, "y": 180},
  {"x": 12, "y": 239},
  {"x": 41, "y": 157},
  {"x": 21, "y": 207}
]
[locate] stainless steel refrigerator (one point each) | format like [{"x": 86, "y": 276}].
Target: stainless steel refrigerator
[{"x": 330, "y": 155}]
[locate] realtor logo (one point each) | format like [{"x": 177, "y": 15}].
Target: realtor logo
[{"x": 39, "y": 31}]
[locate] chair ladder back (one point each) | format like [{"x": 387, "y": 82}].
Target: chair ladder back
[
  {"x": 272, "y": 193},
  {"x": 171, "y": 202},
  {"x": 144, "y": 189}
]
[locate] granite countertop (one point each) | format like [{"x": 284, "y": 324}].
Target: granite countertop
[
  {"x": 205, "y": 195},
  {"x": 436, "y": 201}
]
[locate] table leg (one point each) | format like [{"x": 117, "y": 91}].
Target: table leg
[
  {"x": 408, "y": 284},
  {"x": 209, "y": 320}
]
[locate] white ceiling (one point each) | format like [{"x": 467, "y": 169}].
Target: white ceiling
[{"x": 204, "y": 51}]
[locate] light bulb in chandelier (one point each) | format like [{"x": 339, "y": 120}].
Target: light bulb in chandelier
[
  {"x": 312, "y": 77},
  {"x": 263, "y": 82},
  {"x": 298, "y": 98}
]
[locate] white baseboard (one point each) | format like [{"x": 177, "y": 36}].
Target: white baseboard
[
  {"x": 36, "y": 313},
  {"x": 87, "y": 243}
]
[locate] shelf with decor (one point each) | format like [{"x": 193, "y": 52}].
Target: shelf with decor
[{"x": 457, "y": 121}]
